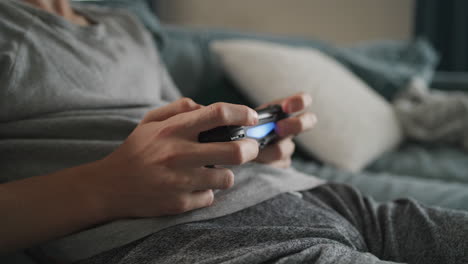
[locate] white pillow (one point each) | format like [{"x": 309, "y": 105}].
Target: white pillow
[{"x": 355, "y": 124}]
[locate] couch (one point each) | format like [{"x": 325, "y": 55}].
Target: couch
[{"x": 435, "y": 175}]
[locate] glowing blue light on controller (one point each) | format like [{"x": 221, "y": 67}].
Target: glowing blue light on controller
[{"x": 261, "y": 130}]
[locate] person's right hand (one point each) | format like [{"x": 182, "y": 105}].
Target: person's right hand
[{"x": 160, "y": 168}]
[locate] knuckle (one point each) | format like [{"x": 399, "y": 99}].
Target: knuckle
[
  {"x": 283, "y": 150},
  {"x": 248, "y": 113},
  {"x": 245, "y": 110},
  {"x": 181, "y": 205},
  {"x": 228, "y": 180},
  {"x": 210, "y": 199},
  {"x": 149, "y": 114},
  {"x": 288, "y": 144},
  {"x": 167, "y": 130},
  {"x": 187, "y": 104},
  {"x": 291, "y": 147},
  {"x": 184, "y": 182},
  {"x": 278, "y": 152},
  {"x": 169, "y": 156},
  {"x": 219, "y": 112},
  {"x": 239, "y": 154},
  {"x": 244, "y": 150}
]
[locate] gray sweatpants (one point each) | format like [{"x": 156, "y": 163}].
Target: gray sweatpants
[{"x": 332, "y": 223}]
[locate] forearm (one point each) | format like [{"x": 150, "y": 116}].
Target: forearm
[
  {"x": 159, "y": 170},
  {"x": 41, "y": 208}
]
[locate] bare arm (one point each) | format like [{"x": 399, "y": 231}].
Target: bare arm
[
  {"x": 45, "y": 207},
  {"x": 159, "y": 170}
]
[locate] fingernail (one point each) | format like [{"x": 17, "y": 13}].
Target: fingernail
[
  {"x": 254, "y": 151},
  {"x": 313, "y": 119},
  {"x": 309, "y": 99},
  {"x": 254, "y": 116}
]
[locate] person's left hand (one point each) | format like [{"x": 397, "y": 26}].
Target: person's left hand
[{"x": 279, "y": 153}]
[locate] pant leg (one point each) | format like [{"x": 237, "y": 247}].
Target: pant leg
[
  {"x": 285, "y": 229},
  {"x": 403, "y": 230}
]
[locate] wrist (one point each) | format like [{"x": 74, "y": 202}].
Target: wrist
[{"x": 90, "y": 184}]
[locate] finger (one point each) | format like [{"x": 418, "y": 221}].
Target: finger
[
  {"x": 296, "y": 103},
  {"x": 218, "y": 153},
  {"x": 292, "y": 104},
  {"x": 281, "y": 150},
  {"x": 182, "y": 105},
  {"x": 192, "y": 201},
  {"x": 296, "y": 124},
  {"x": 218, "y": 114},
  {"x": 283, "y": 164},
  {"x": 200, "y": 199},
  {"x": 212, "y": 178}
]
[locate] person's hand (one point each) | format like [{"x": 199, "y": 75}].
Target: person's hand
[
  {"x": 279, "y": 154},
  {"x": 160, "y": 168}
]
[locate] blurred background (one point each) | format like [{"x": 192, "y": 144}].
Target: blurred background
[
  {"x": 443, "y": 22},
  {"x": 337, "y": 21}
]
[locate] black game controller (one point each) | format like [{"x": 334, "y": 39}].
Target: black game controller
[{"x": 263, "y": 132}]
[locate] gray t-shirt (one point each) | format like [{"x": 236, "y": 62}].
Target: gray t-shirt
[{"x": 71, "y": 94}]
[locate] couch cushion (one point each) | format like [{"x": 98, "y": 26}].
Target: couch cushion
[
  {"x": 388, "y": 186},
  {"x": 386, "y": 66},
  {"x": 437, "y": 162},
  {"x": 355, "y": 125}
]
